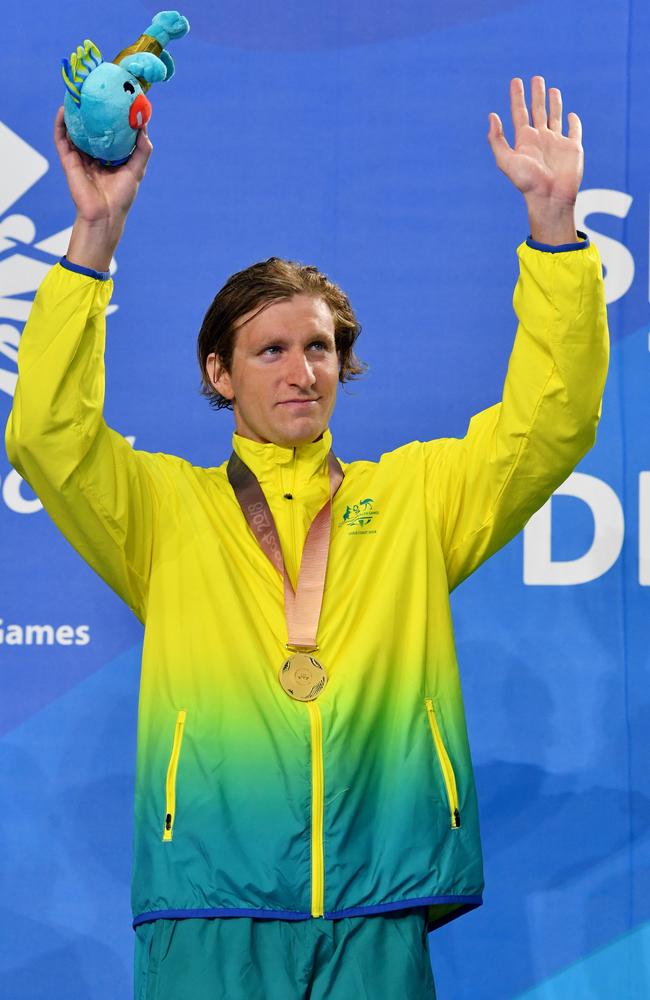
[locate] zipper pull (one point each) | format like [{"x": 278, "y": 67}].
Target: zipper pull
[
  {"x": 168, "y": 821},
  {"x": 456, "y": 818}
]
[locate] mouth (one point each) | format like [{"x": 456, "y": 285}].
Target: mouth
[{"x": 300, "y": 403}]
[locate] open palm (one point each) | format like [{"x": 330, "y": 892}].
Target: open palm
[{"x": 544, "y": 163}]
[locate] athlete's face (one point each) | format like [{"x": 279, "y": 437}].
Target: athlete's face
[{"x": 284, "y": 372}]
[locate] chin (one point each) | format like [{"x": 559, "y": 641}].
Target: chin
[{"x": 296, "y": 436}]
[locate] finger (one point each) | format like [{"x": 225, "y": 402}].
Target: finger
[
  {"x": 555, "y": 110},
  {"x": 59, "y": 124},
  {"x": 141, "y": 154},
  {"x": 575, "y": 126},
  {"x": 144, "y": 142},
  {"x": 498, "y": 142},
  {"x": 518, "y": 108},
  {"x": 538, "y": 101},
  {"x": 67, "y": 152},
  {"x": 60, "y": 132}
]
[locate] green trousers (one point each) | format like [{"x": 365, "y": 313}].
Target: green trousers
[{"x": 237, "y": 958}]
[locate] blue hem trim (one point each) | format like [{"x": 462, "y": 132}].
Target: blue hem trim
[
  {"x": 87, "y": 271},
  {"x": 433, "y": 925},
  {"x": 562, "y": 248},
  {"x": 226, "y": 911},
  {"x": 468, "y": 902},
  {"x": 465, "y": 904}
]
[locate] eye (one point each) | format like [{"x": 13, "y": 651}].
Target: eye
[
  {"x": 271, "y": 349},
  {"x": 129, "y": 88},
  {"x": 319, "y": 345}
]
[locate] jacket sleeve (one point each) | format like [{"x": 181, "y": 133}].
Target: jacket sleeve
[
  {"x": 97, "y": 489},
  {"x": 484, "y": 487}
]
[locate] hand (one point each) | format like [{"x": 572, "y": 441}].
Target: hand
[
  {"x": 102, "y": 196},
  {"x": 545, "y": 165}
]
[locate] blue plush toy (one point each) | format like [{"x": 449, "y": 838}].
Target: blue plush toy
[{"x": 105, "y": 106}]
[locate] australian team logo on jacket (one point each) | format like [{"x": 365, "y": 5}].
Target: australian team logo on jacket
[{"x": 358, "y": 517}]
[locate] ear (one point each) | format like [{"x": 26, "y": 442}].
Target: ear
[
  {"x": 145, "y": 66},
  {"x": 219, "y": 377}
]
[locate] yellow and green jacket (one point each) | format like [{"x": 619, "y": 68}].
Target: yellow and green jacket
[{"x": 247, "y": 802}]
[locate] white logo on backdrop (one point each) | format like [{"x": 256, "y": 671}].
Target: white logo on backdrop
[{"x": 23, "y": 265}]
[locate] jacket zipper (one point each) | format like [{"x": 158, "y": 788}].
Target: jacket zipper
[
  {"x": 170, "y": 783},
  {"x": 292, "y": 493},
  {"x": 317, "y": 808},
  {"x": 445, "y": 765},
  {"x": 317, "y": 771}
]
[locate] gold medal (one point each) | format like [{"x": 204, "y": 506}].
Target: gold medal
[{"x": 302, "y": 677}]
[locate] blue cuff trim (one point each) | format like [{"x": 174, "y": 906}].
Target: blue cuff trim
[
  {"x": 88, "y": 271},
  {"x": 563, "y": 248}
]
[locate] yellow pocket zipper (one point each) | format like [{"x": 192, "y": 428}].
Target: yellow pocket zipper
[
  {"x": 170, "y": 783},
  {"x": 445, "y": 765}
]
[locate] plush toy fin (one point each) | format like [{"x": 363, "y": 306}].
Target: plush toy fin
[
  {"x": 169, "y": 64},
  {"x": 81, "y": 63},
  {"x": 145, "y": 66},
  {"x": 167, "y": 25}
]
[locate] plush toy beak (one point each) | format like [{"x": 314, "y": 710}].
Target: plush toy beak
[{"x": 140, "y": 112}]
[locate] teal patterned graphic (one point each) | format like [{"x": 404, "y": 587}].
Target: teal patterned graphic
[{"x": 352, "y": 137}]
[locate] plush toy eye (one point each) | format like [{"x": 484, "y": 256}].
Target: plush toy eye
[{"x": 130, "y": 89}]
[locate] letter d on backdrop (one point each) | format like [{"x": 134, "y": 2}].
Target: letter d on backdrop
[{"x": 609, "y": 529}]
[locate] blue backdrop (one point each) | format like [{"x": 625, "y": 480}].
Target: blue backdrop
[{"x": 351, "y": 136}]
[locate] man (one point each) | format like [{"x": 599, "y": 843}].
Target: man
[{"x": 305, "y": 806}]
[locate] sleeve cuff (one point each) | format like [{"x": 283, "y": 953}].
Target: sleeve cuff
[
  {"x": 563, "y": 248},
  {"x": 87, "y": 271}
]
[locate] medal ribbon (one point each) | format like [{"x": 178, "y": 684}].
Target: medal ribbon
[{"x": 301, "y": 608}]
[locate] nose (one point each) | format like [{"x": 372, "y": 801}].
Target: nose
[
  {"x": 300, "y": 373},
  {"x": 140, "y": 112}
]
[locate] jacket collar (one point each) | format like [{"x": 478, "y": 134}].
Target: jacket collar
[{"x": 268, "y": 462}]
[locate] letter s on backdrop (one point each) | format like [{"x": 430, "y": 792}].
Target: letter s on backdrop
[{"x": 618, "y": 262}]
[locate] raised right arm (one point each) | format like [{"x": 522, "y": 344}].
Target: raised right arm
[
  {"x": 102, "y": 197},
  {"x": 100, "y": 493}
]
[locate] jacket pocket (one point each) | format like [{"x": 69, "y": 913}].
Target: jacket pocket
[
  {"x": 445, "y": 765},
  {"x": 170, "y": 783}
]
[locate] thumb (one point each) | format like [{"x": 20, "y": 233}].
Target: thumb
[
  {"x": 498, "y": 142},
  {"x": 142, "y": 152}
]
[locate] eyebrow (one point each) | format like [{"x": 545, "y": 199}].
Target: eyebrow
[{"x": 282, "y": 338}]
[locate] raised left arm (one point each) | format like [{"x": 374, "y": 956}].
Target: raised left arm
[
  {"x": 485, "y": 486},
  {"x": 545, "y": 165}
]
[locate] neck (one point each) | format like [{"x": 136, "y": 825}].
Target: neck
[{"x": 299, "y": 443}]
